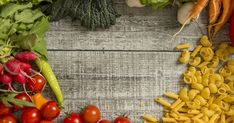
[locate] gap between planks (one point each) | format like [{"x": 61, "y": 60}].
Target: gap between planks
[{"x": 62, "y": 50}]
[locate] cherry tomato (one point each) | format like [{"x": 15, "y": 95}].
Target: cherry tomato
[
  {"x": 122, "y": 119},
  {"x": 104, "y": 121},
  {"x": 50, "y": 110},
  {"x": 31, "y": 115},
  {"x": 8, "y": 119},
  {"x": 73, "y": 118},
  {"x": 91, "y": 114},
  {"x": 4, "y": 109},
  {"x": 36, "y": 83},
  {"x": 24, "y": 97},
  {"x": 46, "y": 121}
]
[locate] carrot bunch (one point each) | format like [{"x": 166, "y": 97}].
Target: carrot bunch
[{"x": 219, "y": 13}]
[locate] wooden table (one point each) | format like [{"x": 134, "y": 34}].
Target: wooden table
[{"x": 121, "y": 69}]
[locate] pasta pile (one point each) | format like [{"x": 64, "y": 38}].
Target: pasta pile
[{"x": 210, "y": 95}]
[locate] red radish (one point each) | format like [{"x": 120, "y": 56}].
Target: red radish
[
  {"x": 1, "y": 69},
  {"x": 6, "y": 79},
  {"x": 13, "y": 66},
  {"x": 20, "y": 79},
  {"x": 231, "y": 29},
  {"x": 7, "y": 87},
  {"x": 26, "y": 67},
  {"x": 26, "y": 56}
]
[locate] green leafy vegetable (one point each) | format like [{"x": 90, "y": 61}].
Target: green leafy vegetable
[
  {"x": 24, "y": 27},
  {"x": 156, "y": 4},
  {"x": 35, "y": 2},
  {"x": 11, "y": 8},
  {"x": 25, "y": 42},
  {"x": 40, "y": 27},
  {"x": 9, "y": 98},
  {"x": 92, "y": 13}
]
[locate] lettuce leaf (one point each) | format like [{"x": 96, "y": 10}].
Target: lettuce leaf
[{"x": 156, "y": 4}]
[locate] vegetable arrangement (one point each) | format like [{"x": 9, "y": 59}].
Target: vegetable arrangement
[
  {"x": 92, "y": 114},
  {"x": 22, "y": 46},
  {"x": 189, "y": 10},
  {"x": 219, "y": 13}
]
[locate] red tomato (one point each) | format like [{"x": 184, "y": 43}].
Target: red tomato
[
  {"x": 31, "y": 115},
  {"x": 104, "y": 121},
  {"x": 22, "y": 96},
  {"x": 8, "y": 119},
  {"x": 231, "y": 29},
  {"x": 37, "y": 83},
  {"x": 46, "y": 121},
  {"x": 4, "y": 109},
  {"x": 122, "y": 119},
  {"x": 50, "y": 110},
  {"x": 73, "y": 118},
  {"x": 91, "y": 114}
]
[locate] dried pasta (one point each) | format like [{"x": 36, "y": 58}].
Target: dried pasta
[
  {"x": 196, "y": 51},
  {"x": 185, "y": 56},
  {"x": 210, "y": 77},
  {"x": 205, "y": 41},
  {"x": 149, "y": 118},
  {"x": 183, "y": 46}
]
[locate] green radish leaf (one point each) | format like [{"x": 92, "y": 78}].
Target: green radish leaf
[
  {"x": 5, "y": 25},
  {"x": 20, "y": 102},
  {"x": 11, "y": 95},
  {"x": 25, "y": 42},
  {"x": 39, "y": 1},
  {"x": 40, "y": 27},
  {"x": 40, "y": 48},
  {"x": 12, "y": 8},
  {"x": 24, "y": 16},
  {"x": 28, "y": 15},
  {"x": 5, "y": 102}
]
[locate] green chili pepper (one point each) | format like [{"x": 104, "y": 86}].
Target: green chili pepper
[{"x": 51, "y": 79}]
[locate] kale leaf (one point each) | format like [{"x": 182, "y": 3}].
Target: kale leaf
[{"x": 92, "y": 13}]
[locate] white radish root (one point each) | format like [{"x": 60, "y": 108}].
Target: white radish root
[
  {"x": 183, "y": 13},
  {"x": 134, "y": 3}
]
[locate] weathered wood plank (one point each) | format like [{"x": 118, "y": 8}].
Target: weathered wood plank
[
  {"x": 136, "y": 29},
  {"x": 117, "y": 82}
]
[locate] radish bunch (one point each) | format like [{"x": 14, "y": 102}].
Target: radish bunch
[{"x": 18, "y": 69}]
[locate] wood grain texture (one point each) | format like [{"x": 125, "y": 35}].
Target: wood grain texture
[
  {"x": 136, "y": 29},
  {"x": 117, "y": 82},
  {"x": 121, "y": 69}
]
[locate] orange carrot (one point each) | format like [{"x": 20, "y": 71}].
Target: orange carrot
[
  {"x": 226, "y": 5},
  {"x": 39, "y": 100},
  {"x": 214, "y": 11},
  {"x": 197, "y": 9}
]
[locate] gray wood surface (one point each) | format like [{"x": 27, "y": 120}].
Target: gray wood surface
[{"x": 121, "y": 69}]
